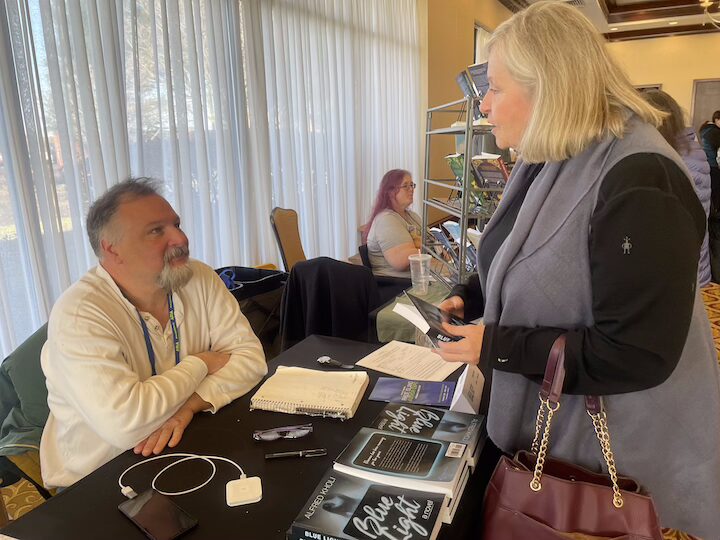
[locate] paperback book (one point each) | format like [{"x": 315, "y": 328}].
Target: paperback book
[
  {"x": 490, "y": 170},
  {"x": 432, "y": 423},
  {"x": 439, "y": 394},
  {"x": 404, "y": 461},
  {"x": 428, "y": 319},
  {"x": 344, "y": 507}
]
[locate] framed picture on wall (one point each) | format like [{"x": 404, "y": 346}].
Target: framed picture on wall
[{"x": 646, "y": 87}]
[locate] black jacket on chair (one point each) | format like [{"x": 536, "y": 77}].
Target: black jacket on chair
[{"x": 327, "y": 297}]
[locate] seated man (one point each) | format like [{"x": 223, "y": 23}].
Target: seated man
[{"x": 141, "y": 342}]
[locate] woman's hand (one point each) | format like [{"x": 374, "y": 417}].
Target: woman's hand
[
  {"x": 454, "y": 305},
  {"x": 466, "y": 350}
]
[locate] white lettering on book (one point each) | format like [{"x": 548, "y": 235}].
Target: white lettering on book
[
  {"x": 320, "y": 498},
  {"x": 375, "y": 453},
  {"x": 374, "y": 527},
  {"x": 406, "y": 420}
]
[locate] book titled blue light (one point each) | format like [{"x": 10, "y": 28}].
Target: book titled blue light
[{"x": 395, "y": 390}]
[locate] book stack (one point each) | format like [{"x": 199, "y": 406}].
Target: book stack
[{"x": 404, "y": 475}]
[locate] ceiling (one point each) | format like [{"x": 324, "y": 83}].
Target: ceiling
[{"x": 639, "y": 19}]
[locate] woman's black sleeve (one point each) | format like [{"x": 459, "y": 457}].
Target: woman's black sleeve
[
  {"x": 472, "y": 295},
  {"x": 644, "y": 242}
]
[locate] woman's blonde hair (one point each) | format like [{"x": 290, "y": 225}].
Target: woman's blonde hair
[{"x": 580, "y": 94}]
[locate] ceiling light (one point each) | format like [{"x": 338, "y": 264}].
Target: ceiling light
[
  {"x": 613, "y": 29},
  {"x": 671, "y": 23}
]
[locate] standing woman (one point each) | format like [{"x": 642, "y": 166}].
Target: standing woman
[
  {"x": 597, "y": 237},
  {"x": 393, "y": 230},
  {"x": 682, "y": 139}
]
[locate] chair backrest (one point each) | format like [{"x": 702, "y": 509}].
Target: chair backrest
[
  {"x": 327, "y": 297},
  {"x": 287, "y": 233},
  {"x": 365, "y": 256}
]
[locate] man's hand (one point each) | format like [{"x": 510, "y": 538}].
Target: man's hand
[
  {"x": 170, "y": 433},
  {"x": 454, "y": 305},
  {"x": 466, "y": 350},
  {"x": 213, "y": 360}
]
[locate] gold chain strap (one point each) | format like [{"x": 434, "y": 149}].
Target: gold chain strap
[
  {"x": 539, "y": 420},
  {"x": 599, "y": 421},
  {"x": 535, "y": 483},
  {"x": 540, "y": 448}
]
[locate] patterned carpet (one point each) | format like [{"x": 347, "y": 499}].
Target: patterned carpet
[{"x": 23, "y": 497}]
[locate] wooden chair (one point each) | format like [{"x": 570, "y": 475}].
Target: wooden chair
[{"x": 287, "y": 233}]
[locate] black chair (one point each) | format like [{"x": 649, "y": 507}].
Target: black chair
[
  {"x": 388, "y": 286},
  {"x": 327, "y": 297}
]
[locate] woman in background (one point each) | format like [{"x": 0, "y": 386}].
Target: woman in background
[
  {"x": 597, "y": 238},
  {"x": 393, "y": 232},
  {"x": 683, "y": 140}
]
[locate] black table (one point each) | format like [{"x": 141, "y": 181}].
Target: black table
[{"x": 88, "y": 509}]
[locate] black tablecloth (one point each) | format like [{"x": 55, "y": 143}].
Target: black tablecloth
[{"x": 88, "y": 509}]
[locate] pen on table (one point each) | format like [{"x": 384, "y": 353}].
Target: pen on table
[{"x": 314, "y": 452}]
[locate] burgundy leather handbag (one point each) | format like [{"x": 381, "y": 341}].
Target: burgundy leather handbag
[{"x": 534, "y": 496}]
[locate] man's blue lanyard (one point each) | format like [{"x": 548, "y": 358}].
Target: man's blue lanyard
[{"x": 176, "y": 336}]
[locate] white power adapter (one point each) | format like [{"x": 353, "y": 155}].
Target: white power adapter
[{"x": 243, "y": 491}]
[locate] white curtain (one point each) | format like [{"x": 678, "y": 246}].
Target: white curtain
[{"x": 237, "y": 106}]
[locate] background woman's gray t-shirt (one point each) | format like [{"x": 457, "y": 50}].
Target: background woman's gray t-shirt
[{"x": 389, "y": 230}]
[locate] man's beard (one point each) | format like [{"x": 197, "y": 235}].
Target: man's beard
[{"x": 174, "y": 278}]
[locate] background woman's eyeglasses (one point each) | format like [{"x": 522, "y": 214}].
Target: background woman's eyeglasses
[
  {"x": 409, "y": 186},
  {"x": 285, "y": 432}
]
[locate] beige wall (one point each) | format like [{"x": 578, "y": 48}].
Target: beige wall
[
  {"x": 673, "y": 61},
  {"x": 450, "y": 49}
]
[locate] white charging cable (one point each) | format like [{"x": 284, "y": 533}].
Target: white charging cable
[{"x": 130, "y": 493}]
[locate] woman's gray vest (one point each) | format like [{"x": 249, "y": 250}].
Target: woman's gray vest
[{"x": 667, "y": 437}]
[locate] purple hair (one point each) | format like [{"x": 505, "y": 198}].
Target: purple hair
[{"x": 384, "y": 200}]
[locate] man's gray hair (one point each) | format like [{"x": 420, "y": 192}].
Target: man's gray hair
[{"x": 104, "y": 208}]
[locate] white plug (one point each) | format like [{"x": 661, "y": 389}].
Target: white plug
[
  {"x": 243, "y": 491},
  {"x": 128, "y": 492}
]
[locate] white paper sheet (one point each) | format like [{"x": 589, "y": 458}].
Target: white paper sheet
[{"x": 409, "y": 362}]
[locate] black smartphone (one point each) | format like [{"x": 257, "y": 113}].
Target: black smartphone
[{"x": 157, "y": 515}]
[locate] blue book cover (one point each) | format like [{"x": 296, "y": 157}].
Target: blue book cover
[{"x": 437, "y": 394}]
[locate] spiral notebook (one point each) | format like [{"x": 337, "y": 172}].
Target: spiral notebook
[{"x": 297, "y": 390}]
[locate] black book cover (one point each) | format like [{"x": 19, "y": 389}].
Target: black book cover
[
  {"x": 406, "y": 461},
  {"x": 345, "y": 507},
  {"x": 435, "y": 317},
  {"x": 433, "y": 423}
]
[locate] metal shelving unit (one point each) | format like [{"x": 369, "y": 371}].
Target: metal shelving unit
[{"x": 462, "y": 209}]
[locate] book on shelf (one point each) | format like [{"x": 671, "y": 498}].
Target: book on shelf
[
  {"x": 490, "y": 169},
  {"x": 428, "y": 319},
  {"x": 345, "y": 507},
  {"x": 296, "y": 390},
  {"x": 439, "y": 394},
  {"x": 433, "y": 423}
]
